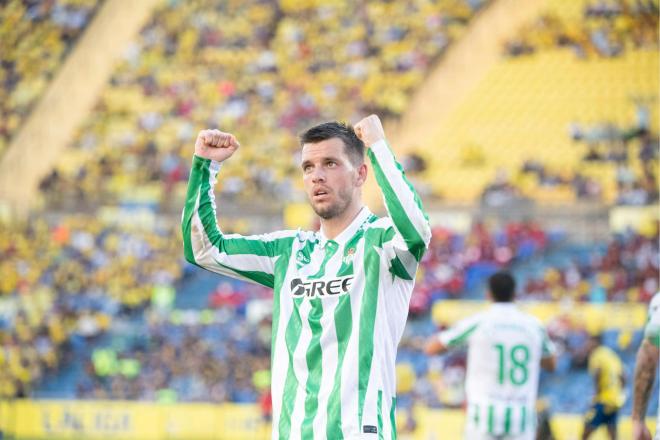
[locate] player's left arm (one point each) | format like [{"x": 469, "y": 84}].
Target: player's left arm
[
  {"x": 413, "y": 232},
  {"x": 645, "y": 369},
  {"x": 456, "y": 336},
  {"x": 548, "y": 352}
]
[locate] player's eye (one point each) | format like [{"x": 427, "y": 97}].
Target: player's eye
[
  {"x": 331, "y": 164},
  {"x": 307, "y": 168}
]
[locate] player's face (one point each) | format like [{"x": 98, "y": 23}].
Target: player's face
[{"x": 329, "y": 176}]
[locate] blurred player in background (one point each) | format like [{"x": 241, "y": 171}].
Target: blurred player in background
[
  {"x": 645, "y": 368},
  {"x": 340, "y": 295},
  {"x": 506, "y": 349},
  {"x": 607, "y": 370}
]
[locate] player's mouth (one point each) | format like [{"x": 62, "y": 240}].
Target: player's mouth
[{"x": 320, "y": 194}]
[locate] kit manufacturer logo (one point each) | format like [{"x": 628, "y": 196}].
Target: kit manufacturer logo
[{"x": 321, "y": 288}]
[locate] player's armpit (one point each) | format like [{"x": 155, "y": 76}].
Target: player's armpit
[{"x": 549, "y": 363}]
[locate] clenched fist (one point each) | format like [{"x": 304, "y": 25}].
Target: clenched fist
[
  {"x": 370, "y": 130},
  {"x": 215, "y": 145}
]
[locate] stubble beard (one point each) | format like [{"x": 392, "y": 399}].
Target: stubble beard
[{"x": 344, "y": 199}]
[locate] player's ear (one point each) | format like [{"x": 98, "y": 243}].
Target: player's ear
[{"x": 361, "y": 174}]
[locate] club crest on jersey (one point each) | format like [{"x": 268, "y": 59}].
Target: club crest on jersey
[
  {"x": 302, "y": 258},
  {"x": 321, "y": 288},
  {"x": 348, "y": 257}
]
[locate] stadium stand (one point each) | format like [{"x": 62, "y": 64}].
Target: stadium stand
[
  {"x": 36, "y": 37},
  {"x": 558, "y": 128},
  {"x": 63, "y": 282},
  {"x": 135, "y": 146}
]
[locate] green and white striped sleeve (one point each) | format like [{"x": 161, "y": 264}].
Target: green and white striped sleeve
[
  {"x": 652, "y": 329},
  {"x": 250, "y": 258},
  {"x": 459, "y": 334},
  {"x": 411, "y": 224},
  {"x": 547, "y": 346}
]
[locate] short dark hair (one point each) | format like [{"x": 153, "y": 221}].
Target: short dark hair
[
  {"x": 502, "y": 287},
  {"x": 353, "y": 146}
]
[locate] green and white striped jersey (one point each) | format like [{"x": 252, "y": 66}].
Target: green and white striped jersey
[
  {"x": 652, "y": 333},
  {"x": 339, "y": 306},
  {"x": 505, "y": 348}
]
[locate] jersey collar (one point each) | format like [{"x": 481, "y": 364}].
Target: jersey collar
[
  {"x": 503, "y": 305},
  {"x": 349, "y": 231}
]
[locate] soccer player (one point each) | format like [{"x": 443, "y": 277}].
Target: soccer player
[
  {"x": 340, "y": 294},
  {"x": 646, "y": 365},
  {"x": 506, "y": 349},
  {"x": 607, "y": 370}
]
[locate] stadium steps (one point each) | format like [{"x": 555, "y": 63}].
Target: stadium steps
[{"x": 68, "y": 99}]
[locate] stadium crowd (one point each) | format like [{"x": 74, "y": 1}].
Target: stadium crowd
[
  {"x": 605, "y": 29},
  {"x": 36, "y": 36},
  {"x": 632, "y": 150},
  {"x": 185, "y": 73},
  {"x": 457, "y": 263},
  {"x": 628, "y": 269},
  {"x": 61, "y": 284}
]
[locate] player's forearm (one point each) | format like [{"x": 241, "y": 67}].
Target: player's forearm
[
  {"x": 647, "y": 361},
  {"x": 401, "y": 200},
  {"x": 200, "y": 204}
]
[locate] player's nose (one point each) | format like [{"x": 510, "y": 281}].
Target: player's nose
[{"x": 318, "y": 175}]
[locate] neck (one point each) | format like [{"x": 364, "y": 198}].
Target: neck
[{"x": 332, "y": 227}]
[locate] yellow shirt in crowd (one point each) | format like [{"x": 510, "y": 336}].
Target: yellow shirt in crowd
[{"x": 605, "y": 363}]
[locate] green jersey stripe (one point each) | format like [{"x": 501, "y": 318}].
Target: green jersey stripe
[
  {"x": 507, "y": 420},
  {"x": 414, "y": 241},
  {"x": 330, "y": 250},
  {"x": 491, "y": 419},
  {"x": 393, "y": 418},
  {"x": 523, "y": 419},
  {"x": 280, "y": 271},
  {"x": 367, "y": 317},
  {"x": 344, "y": 328},
  {"x": 379, "y": 412},
  {"x": 461, "y": 338},
  {"x": 314, "y": 367},
  {"x": 192, "y": 198},
  {"x": 263, "y": 278},
  {"x": 292, "y": 335}
]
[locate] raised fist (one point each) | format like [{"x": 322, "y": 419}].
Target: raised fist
[
  {"x": 215, "y": 145},
  {"x": 370, "y": 130}
]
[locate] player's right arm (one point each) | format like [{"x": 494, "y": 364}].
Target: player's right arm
[
  {"x": 251, "y": 258},
  {"x": 456, "y": 336},
  {"x": 645, "y": 367}
]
